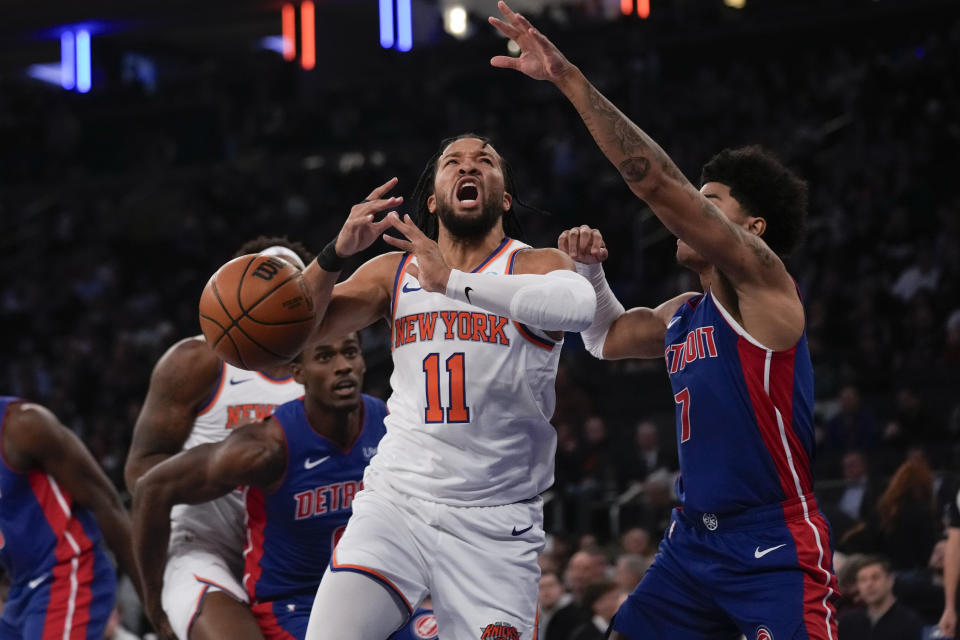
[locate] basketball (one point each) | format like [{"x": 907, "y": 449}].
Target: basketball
[{"x": 255, "y": 312}]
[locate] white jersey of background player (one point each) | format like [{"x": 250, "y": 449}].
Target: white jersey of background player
[
  {"x": 450, "y": 504},
  {"x": 195, "y": 398}
]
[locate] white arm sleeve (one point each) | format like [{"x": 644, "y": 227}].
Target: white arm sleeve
[
  {"x": 608, "y": 309},
  {"x": 556, "y": 301}
]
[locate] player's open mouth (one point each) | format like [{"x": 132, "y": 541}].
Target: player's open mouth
[
  {"x": 345, "y": 388},
  {"x": 468, "y": 191}
]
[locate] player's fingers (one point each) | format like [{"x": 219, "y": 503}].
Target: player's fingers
[
  {"x": 411, "y": 230},
  {"x": 600, "y": 254},
  {"x": 505, "y": 62},
  {"x": 382, "y": 189},
  {"x": 574, "y": 240},
  {"x": 385, "y": 223},
  {"x": 413, "y": 270},
  {"x": 540, "y": 40},
  {"x": 504, "y": 28},
  {"x": 505, "y": 10},
  {"x": 521, "y": 22},
  {"x": 399, "y": 243},
  {"x": 586, "y": 239},
  {"x": 598, "y": 239},
  {"x": 562, "y": 243}
]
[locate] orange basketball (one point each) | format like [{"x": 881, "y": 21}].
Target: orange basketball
[{"x": 255, "y": 312}]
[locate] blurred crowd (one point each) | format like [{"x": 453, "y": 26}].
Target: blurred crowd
[{"x": 117, "y": 206}]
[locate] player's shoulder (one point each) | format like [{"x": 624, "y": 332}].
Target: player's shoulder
[
  {"x": 543, "y": 260},
  {"x": 29, "y": 429},
  {"x": 383, "y": 265},
  {"x": 190, "y": 358}
]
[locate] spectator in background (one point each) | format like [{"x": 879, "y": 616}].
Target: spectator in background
[
  {"x": 636, "y": 541},
  {"x": 602, "y": 600},
  {"x": 584, "y": 569},
  {"x": 646, "y": 455},
  {"x": 854, "y": 426},
  {"x": 559, "y": 614},
  {"x": 905, "y": 526},
  {"x": 858, "y": 498},
  {"x": 629, "y": 571},
  {"x": 951, "y": 350},
  {"x": 923, "y": 275},
  {"x": 597, "y": 475},
  {"x": 882, "y": 618}
]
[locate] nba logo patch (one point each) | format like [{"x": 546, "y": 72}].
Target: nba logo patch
[
  {"x": 764, "y": 634},
  {"x": 425, "y": 626}
]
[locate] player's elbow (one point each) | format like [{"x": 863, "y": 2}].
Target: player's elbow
[{"x": 566, "y": 302}]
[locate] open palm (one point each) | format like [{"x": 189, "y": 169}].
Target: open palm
[{"x": 539, "y": 58}]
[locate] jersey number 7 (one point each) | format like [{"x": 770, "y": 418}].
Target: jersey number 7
[
  {"x": 458, "y": 411},
  {"x": 683, "y": 399}
]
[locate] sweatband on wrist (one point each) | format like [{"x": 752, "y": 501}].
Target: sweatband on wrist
[
  {"x": 608, "y": 308},
  {"x": 556, "y": 301},
  {"x": 328, "y": 260}
]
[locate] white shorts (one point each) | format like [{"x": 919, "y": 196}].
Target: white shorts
[
  {"x": 196, "y": 567},
  {"x": 479, "y": 564}
]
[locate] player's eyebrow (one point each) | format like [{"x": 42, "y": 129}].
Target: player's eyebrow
[{"x": 457, "y": 154}]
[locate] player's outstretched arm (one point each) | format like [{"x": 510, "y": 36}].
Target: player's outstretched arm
[
  {"x": 647, "y": 169},
  {"x": 544, "y": 292},
  {"x": 615, "y": 333},
  {"x": 33, "y": 438},
  {"x": 359, "y": 231},
  {"x": 254, "y": 454},
  {"x": 181, "y": 381}
]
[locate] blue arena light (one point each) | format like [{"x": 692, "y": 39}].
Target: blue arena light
[
  {"x": 404, "y": 26},
  {"x": 50, "y": 73},
  {"x": 84, "y": 74},
  {"x": 386, "y": 24},
  {"x": 68, "y": 64}
]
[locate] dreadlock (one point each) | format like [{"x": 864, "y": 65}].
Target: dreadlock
[{"x": 424, "y": 189}]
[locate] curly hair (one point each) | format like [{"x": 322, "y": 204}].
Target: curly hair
[
  {"x": 912, "y": 482},
  {"x": 424, "y": 189},
  {"x": 260, "y": 243},
  {"x": 765, "y": 188}
]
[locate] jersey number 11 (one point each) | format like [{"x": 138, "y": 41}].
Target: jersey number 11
[{"x": 458, "y": 411}]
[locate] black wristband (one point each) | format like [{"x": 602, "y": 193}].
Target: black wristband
[{"x": 328, "y": 260}]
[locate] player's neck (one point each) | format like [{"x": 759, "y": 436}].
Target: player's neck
[
  {"x": 341, "y": 427},
  {"x": 467, "y": 254}
]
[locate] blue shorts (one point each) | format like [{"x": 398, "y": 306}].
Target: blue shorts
[
  {"x": 766, "y": 573},
  {"x": 78, "y": 597}
]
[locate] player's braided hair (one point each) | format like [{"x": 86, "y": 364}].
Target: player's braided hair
[
  {"x": 424, "y": 189},
  {"x": 260, "y": 243}
]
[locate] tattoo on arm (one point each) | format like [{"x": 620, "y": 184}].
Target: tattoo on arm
[{"x": 634, "y": 169}]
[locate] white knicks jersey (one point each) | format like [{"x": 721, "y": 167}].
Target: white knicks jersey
[
  {"x": 473, "y": 394},
  {"x": 240, "y": 397}
]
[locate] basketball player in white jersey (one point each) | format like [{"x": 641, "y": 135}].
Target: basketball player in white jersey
[
  {"x": 451, "y": 503},
  {"x": 195, "y": 398}
]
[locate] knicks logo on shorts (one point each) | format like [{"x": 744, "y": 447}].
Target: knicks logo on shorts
[
  {"x": 500, "y": 631},
  {"x": 425, "y": 626},
  {"x": 764, "y": 634}
]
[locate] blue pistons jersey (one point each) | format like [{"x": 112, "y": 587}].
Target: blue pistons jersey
[
  {"x": 749, "y": 552},
  {"x": 291, "y": 532},
  {"x": 744, "y": 412},
  {"x": 62, "y": 583}
]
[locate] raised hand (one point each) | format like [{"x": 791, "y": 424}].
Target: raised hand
[
  {"x": 539, "y": 58},
  {"x": 432, "y": 272},
  {"x": 360, "y": 229},
  {"x": 583, "y": 244}
]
